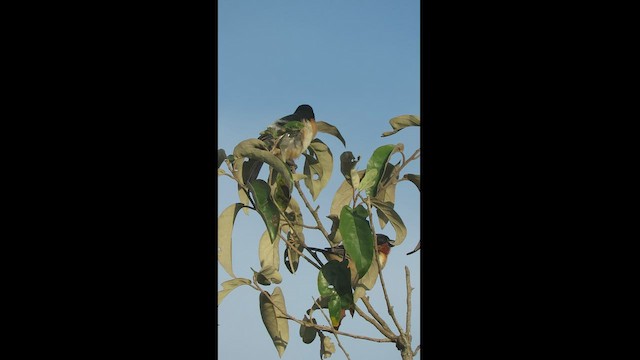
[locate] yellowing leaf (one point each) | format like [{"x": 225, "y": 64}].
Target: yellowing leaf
[
  {"x": 257, "y": 150},
  {"x": 319, "y": 163},
  {"x": 228, "y": 286},
  {"x": 394, "y": 218},
  {"x": 225, "y": 228},
  {"x": 269, "y": 255},
  {"x": 327, "y": 128},
  {"x": 343, "y": 196},
  {"x": 415, "y": 179},
  {"x": 400, "y": 122},
  {"x": 327, "y": 348},
  {"x": 273, "y": 319}
]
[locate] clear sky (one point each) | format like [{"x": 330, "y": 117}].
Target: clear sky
[{"x": 357, "y": 63}]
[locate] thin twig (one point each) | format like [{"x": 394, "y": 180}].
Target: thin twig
[
  {"x": 292, "y": 247},
  {"x": 409, "y": 289},
  {"x": 229, "y": 175},
  {"x": 314, "y": 213},
  {"x": 374, "y": 313},
  {"x": 373, "y": 322},
  {"x": 310, "y": 323},
  {"x": 334, "y": 333},
  {"x": 384, "y": 287},
  {"x": 416, "y": 351}
]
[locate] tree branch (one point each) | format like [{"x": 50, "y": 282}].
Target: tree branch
[
  {"x": 314, "y": 213},
  {"x": 334, "y": 333},
  {"x": 292, "y": 247},
  {"x": 386, "y": 332},
  {"x": 409, "y": 289},
  {"x": 374, "y": 313},
  {"x": 310, "y": 323},
  {"x": 384, "y": 287}
]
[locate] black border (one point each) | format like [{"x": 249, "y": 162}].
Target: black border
[{"x": 138, "y": 83}]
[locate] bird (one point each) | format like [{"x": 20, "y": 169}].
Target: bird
[
  {"x": 338, "y": 253},
  {"x": 288, "y": 137},
  {"x": 292, "y": 139},
  {"x": 384, "y": 245}
]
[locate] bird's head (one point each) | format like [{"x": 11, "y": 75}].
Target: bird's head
[
  {"x": 384, "y": 248},
  {"x": 305, "y": 111}
]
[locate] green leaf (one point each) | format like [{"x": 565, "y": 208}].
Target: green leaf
[
  {"x": 334, "y": 279},
  {"x": 273, "y": 319},
  {"x": 221, "y": 156},
  {"x": 281, "y": 191},
  {"x": 336, "y": 311},
  {"x": 400, "y": 122},
  {"x": 266, "y": 207},
  {"x": 319, "y": 162},
  {"x": 269, "y": 255},
  {"x": 357, "y": 238},
  {"x": 334, "y": 283},
  {"x": 394, "y": 218},
  {"x": 378, "y": 162},
  {"x": 415, "y": 179},
  {"x": 307, "y": 333},
  {"x": 327, "y": 128},
  {"x": 370, "y": 180},
  {"x": 225, "y": 228},
  {"x": 229, "y": 285},
  {"x": 257, "y": 150}
]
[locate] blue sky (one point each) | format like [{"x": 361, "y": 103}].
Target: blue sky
[{"x": 357, "y": 63}]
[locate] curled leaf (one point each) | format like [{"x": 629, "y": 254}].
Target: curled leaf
[
  {"x": 347, "y": 166},
  {"x": 327, "y": 128},
  {"x": 400, "y": 122},
  {"x": 334, "y": 236},
  {"x": 415, "y": 179},
  {"x": 256, "y": 150},
  {"x": 398, "y": 225},
  {"x": 386, "y": 192},
  {"x": 229, "y": 285}
]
